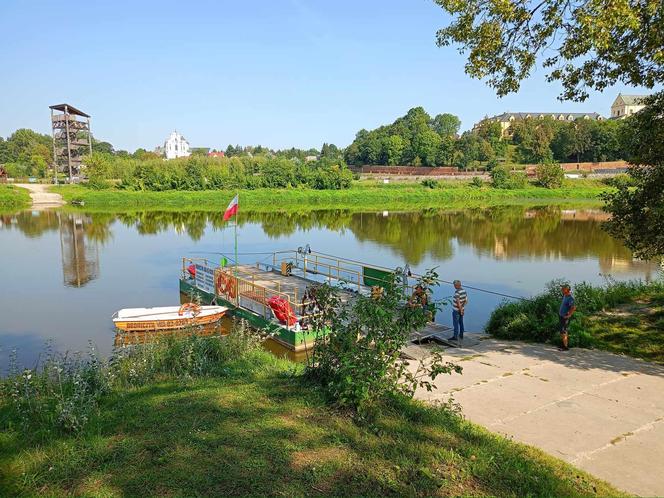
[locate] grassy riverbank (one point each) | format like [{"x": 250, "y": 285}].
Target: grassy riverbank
[
  {"x": 13, "y": 197},
  {"x": 622, "y": 317},
  {"x": 252, "y": 426},
  {"x": 362, "y": 195}
]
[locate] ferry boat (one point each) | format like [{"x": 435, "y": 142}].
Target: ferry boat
[{"x": 272, "y": 295}]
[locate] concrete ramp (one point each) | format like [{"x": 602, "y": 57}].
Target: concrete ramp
[{"x": 41, "y": 197}]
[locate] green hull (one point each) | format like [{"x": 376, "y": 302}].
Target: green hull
[{"x": 295, "y": 340}]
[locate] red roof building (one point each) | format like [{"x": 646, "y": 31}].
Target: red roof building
[{"x": 216, "y": 154}]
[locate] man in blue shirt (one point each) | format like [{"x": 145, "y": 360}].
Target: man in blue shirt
[{"x": 567, "y": 309}]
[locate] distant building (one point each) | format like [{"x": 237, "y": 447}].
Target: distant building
[
  {"x": 311, "y": 158},
  {"x": 626, "y": 105},
  {"x": 175, "y": 146},
  {"x": 217, "y": 154},
  {"x": 507, "y": 118}
]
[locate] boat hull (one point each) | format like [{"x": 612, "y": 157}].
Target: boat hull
[{"x": 168, "y": 321}]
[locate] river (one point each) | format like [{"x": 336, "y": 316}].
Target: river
[{"x": 64, "y": 274}]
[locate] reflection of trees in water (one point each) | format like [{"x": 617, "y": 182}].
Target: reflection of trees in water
[{"x": 510, "y": 232}]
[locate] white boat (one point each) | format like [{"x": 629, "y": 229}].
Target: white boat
[{"x": 167, "y": 317}]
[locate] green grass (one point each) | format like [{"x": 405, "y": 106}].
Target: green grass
[
  {"x": 365, "y": 195},
  {"x": 259, "y": 430},
  {"x": 621, "y": 317},
  {"x": 635, "y": 328},
  {"x": 13, "y": 197}
]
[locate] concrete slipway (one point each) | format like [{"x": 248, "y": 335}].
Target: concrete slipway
[{"x": 602, "y": 412}]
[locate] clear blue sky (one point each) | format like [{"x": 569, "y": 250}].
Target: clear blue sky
[{"x": 276, "y": 73}]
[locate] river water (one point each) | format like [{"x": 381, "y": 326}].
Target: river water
[{"x": 63, "y": 274}]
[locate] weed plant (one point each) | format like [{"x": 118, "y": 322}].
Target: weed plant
[{"x": 65, "y": 390}]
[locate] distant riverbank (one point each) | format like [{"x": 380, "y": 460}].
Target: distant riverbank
[{"x": 364, "y": 195}]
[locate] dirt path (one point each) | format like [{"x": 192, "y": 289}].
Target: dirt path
[
  {"x": 41, "y": 197},
  {"x": 599, "y": 411}
]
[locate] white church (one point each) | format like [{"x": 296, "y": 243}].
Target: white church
[{"x": 175, "y": 146}]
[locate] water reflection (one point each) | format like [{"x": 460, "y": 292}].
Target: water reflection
[
  {"x": 502, "y": 233},
  {"x": 65, "y": 273}
]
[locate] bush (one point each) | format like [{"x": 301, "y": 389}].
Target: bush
[
  {"x": 549, "y": 175},
  {"x": 536, "y": 319},
  {"x": 359, "y": 366},
  {"x": 619, "y": 181},
  {"x": 503, "y": 178},
  {"x": 476, "y": 182},
  {"x": 430, "y": 183},
  {"x": 245, "y": 172}
]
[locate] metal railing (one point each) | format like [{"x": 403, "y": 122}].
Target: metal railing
[{"x": 335, "y": 269}]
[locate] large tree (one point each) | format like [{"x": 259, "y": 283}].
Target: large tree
[
  {"x": 585, "y": 44},
  {"x": 638, "y": 211}
]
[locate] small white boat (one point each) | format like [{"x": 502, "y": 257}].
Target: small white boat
[{"x": 167, "y": 317}]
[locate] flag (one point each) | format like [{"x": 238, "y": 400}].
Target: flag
[{"x": 232, "y": 208}]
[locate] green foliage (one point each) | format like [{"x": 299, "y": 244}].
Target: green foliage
[
  {"x": 13, "y": 197},
  {"x": 621, "y": 181},
  {"x": 536, "y": 319},
  {"x": 413, "y": 139},
  {"x": 64, "y": 391},
  {"x": 260, "y": 430},
  {"x": 197, "y": 173},
  {"x": 587, "y": 45},
  {"x": 638, "y": 212},
  {"x": 430, "y": 183},
  {"x": 358, "y": 366},
  {"x": 26, "y": 154},
  {"x": 503, "y": 178},
  {"x": 549, "y": 175},
  {"x": 477, "y": 182}
]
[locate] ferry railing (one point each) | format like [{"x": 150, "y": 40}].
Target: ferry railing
[{"x": 343, "y": 270}]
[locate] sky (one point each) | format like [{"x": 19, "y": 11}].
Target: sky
[{"x": 280, "y": 73}]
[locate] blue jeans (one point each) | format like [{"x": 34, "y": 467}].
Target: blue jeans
[{"x": 457, "y": 320}]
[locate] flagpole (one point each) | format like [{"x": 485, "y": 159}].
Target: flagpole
[{"x": 237, "y": 214}]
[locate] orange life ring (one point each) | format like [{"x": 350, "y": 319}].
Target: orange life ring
[{"x": 193, "y": 307}]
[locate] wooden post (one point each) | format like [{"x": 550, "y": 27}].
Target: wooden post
[
  {"x": 55, "y": 161},
  {"x": 90, "y": 135},
  {"x": 68, "y": 143}
]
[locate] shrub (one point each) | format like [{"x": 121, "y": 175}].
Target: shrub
[
  {"x": 549, "y": 175},
  {"x": 536, "y": 319},
  {"x": 503, "y": 178},
  {"x": 430, "y": 183},
  {"x": 476, "y": 182},
  {"x": 619, "y": 181},
  {"x": 359, "y": 365}
]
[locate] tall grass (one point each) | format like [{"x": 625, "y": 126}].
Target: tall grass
[
  {"x": 13, "y": 197},
  {"x": 536, "y": 319},
  {"x": 65, "y": 390}
]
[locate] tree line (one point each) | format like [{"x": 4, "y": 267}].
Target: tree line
[
  {"x": 416, "y": 139},
  {"x": 207, "y": 173}
]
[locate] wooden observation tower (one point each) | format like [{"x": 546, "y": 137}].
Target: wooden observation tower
[{"x": 72, "y": 139}]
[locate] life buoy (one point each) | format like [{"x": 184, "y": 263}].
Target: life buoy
[
  {"x": 193, "y": 307},
  {"x": 282, "y": 310}
]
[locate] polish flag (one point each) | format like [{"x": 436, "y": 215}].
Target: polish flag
[{"x": 232, "y": 208}]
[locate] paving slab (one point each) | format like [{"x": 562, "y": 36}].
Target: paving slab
[{"x": 599, "y": 411}]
